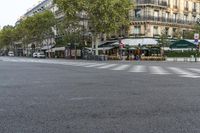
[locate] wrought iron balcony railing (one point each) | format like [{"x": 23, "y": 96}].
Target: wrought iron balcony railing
[
  {"x": 163, "y": 19},
  {"x": 153, "y": 2}
]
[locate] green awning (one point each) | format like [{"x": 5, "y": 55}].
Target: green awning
[{"x": 183, "y": 44}]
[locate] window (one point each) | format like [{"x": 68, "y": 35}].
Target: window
[
  {"x": 156, "y": 15},
  {"x": 166, "y": 30},
  {"x": 174, "y": 30},
  {"x": 194, "y": 18},
  {"x": 155, "y": 30},
  {"x": 185, "y": 18},
  {"x": 137, "y": 29},
  {"x": 168, "y": 2},
  {"x": 186, "y": 5},
  {"x": 174, "y": 17},
  {"x": 138, "y": 13},
  {"x": 175, "y": 3},
  {"x": 156, "y": 2},
  {"x": 167, "y": 16},
  {"x": 194, "y": 7}
]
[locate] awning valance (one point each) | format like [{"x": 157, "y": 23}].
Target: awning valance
[
  {"x": 182, "y": 44},
  {"x": 136, "y": 42}
]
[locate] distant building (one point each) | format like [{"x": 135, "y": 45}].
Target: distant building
[
  {"x": 42, "y": 6},
  {"x": 152, "y": 17},
  {"x": 48, "y": 42}
]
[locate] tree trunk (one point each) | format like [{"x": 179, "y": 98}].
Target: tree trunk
[{"x": 96, "y": 45}]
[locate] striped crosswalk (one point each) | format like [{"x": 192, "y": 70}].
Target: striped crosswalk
[
  {"x": 121, "y": 67},
  {"x": 138, "y": 69},
  {"x": 158, "y": 70},
  {"x": 129, "y": 68},
  {"x": 184, "y": 73},
  {"x": 107, "y": 66}
]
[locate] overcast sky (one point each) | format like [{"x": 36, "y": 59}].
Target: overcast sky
[{"x": 11, "y": 10}]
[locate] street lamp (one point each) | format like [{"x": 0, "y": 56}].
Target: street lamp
[
  {"x": 75, "y": 45},
  {"x": 68, "y": 50}
]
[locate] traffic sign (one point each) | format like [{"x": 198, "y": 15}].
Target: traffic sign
[{"x": 196, "y": 36}]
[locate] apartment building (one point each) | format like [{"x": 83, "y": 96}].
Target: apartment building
[
  {"x": 150, "y": 18},
  {"x": 48, "y": 42}
]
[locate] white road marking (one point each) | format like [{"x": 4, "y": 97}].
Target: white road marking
[
  {"x": 181, "y": 72},
  {"x": 184, "y": 73},
  {"x": 79, "y": 64},
  {"x": 158, "y": 70},
  {"x": 121, "y": 67},
  {"x": 95, "y": 65},
  {"x": 138, "y": 69},
  {"x": 107, "y": 66},
  {"x": 194, "y": 69}
]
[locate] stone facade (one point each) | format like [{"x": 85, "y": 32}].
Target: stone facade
[{"x": 152, "y": 17}]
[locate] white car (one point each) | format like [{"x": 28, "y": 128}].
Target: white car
[
  {"x": 40, "y": 55},
  {"x": 35, "y": 55},
  {"x": 11, "y": 53}
]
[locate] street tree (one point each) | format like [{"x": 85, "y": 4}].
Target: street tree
[
  {"x": 178, "y": 34},
  {"x": 105, "y": 16},
  {"x": 163, "y": 41},
  {"x": 7, "y": 37},
  {"x": 189, "y": 34},
  {"x": 37, "y": 28},
  {"x": 70, "y": 28}
]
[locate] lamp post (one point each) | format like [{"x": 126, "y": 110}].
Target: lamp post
[
  {"x": 68, "y": 50},
  {"x": 75, "y": 45},
  {"x": 139, "y": 51},
  {"x": 196, "y": 40}
]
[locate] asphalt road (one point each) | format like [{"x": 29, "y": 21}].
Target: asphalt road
[{"x": 38, "y": 97}]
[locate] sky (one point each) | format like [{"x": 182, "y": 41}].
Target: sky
[{"x": 11, "y": 10}]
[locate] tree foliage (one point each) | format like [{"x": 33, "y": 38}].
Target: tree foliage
[
  {"x": 108, "y": 16},
  {"x": 163, "y": 40},
  {"x": 33, "y": 29},
  {"x": 105, "y": 16},
  {"x": 7, "y": 36},
  {"x": 38, "y": 27}
]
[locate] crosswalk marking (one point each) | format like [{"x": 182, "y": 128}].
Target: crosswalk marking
[
  {"x": 158, "y": 70},
  {"x": 184, "y": 73},
  {"x": 95, "y": 65},
  {"x": 80, "y": 64},
  {"x": 138, "y": 69},
  {"x": 107, "y": 66},
  {"x": 194, "y": 69},
  {"x": 121, "y": 67}
]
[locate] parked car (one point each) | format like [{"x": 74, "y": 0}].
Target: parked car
[
  {"x": 35, "y": 55},
  {"x": 40, "y": 55},
  {"x": 11, "y": 53}
]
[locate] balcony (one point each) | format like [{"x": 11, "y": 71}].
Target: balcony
[
  {"x": 162, "y": 20},
  {"x": 152, "y": 2}
]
